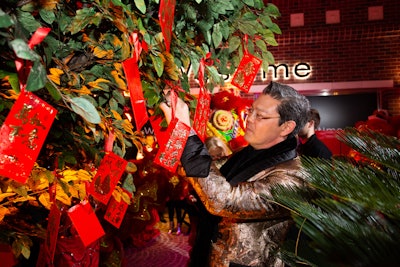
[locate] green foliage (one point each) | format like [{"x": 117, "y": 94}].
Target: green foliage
[
  {"x": 77, "y": 67},
  {"x": 78, "y": 70},
  {"x": 349, "y": 215}
]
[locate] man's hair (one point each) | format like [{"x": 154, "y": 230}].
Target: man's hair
[
  {"x": 313, "y": 115},
  {"x": 293, "y": 107}
]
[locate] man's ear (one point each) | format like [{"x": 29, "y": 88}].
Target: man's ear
[{"x": 288, "y": 127}]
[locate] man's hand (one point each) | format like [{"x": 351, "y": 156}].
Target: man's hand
[{"x": 181, "y": 111}]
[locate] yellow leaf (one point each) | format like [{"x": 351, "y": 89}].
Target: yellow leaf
[
  {"x": 100, "y": 53},
  {"x": 127, "y": 126},
  {"x": 170, "y": 67},
  {"x": 126, "y": 197},
  {"x": 44, "y": 199},
  {"x": 84, "y": 175},
  {"x": 119, "y": 81},
  {"x": 55, "y": 75},
  {"x": 81, "y": 189},
  {"x": 3, "y": 212},
  {"x": 74, "y": 192},
  {"x": 126, "y": 47},
  {"x": 62, "y": 196},
  {"x": 117, "y": 195},
  {"x": 23, "y": 199},
  {"x": 116, "y": 115},
  {"x": 117, "y": 42},
  {"x": 5, "y": 195},
  {"x": 83, "y": 91},
  {"x": 86, "y": 38},
  {"x": 12, "y": 94},
  {"x": 95, "y": 84}
]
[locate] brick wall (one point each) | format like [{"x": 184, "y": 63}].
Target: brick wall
[{"x": 355, "y": 49}]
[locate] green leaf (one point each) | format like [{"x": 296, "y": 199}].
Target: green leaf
[
  {"x": 84, "y": 108},
  {"x": 275, "y": 28},
  {"x": 118, "y": 97},
  {"x": 273, "y": 10},
  {"x": 271, "y": 41},
  {"x": 12, "y": 79},
  {"x": 249, "y": 2},
  {"x": 234, "y": 43},
  {"x": 158, "y": 64},
  {"x": 214, "y": 74},
  {"x": 268, "y": 57},
  {"x": 5, "y": 20},
  {"x": 128, "y": 183},
  {"x": 249, "y": 16},
  {"x": 37, "y": 77},
  {"x": 113, "y": 104},
  {"x": 22, "y": 50},
  {"x": 81, "y": 20},
  {"x": 28, "y": 21},
  {"x": 261, "y": 44},
  {"x": 47, "y": 15},
  {"x": 141, "y": 5},
  {"x": 224, "y": 28},
  {"x": 216, "y": 35},
  {"x": 266, "y": 20},
  {"x": 53, "y": 91}
]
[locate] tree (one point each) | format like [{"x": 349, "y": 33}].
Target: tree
[
  {"x": 78, "y": 70},
  {"x": 349, "y": 214}
]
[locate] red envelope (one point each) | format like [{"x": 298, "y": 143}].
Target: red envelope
[
  {"x": 116, "y": 211},
  {"x": 202, "y": 114},
  {"x": 108, "y": 174},
  {"x": 86, "y": 223},
  {"x": 169, "y": 153},
  {"x": 22, "y": 135},
  {"x": 246, "y": 72}
]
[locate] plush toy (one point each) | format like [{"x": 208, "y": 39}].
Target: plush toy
[{"x": 227, "y": 120}]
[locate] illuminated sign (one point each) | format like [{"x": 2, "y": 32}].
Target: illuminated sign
[{"x": 300, "y": 71}]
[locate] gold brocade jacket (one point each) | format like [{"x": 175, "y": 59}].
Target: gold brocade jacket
[{"x": 251, "y": 228}]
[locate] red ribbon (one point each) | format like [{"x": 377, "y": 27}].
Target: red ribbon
[
  {"x": 174, "y": 96},
  {"x": 134, "y": 39},
  {"x": 166, "y": 17},
  {"x": 138, "y": 103},
  {"x": 204, "y": 62},
  {"x": 24, "y": 67}
]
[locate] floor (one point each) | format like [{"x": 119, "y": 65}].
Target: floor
[{"x": 166, "y": 250}]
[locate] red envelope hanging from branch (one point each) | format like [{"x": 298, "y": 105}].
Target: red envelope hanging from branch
[
  {"x": 86, "y": 223},
  {"x": 203, "y": 102},
  {"x": 247, "y": 70},
  {"x": 22, "y": 135},
  {"x": 116, "y": 210},
  {"x": 107, "y": 176},
  {"x": 160, "y": 133},
  {"x": 166, "y": 17},
  {"x": 202, "y": 114},
  {"x": 138, "y": 102},
  {"x": 169, "y": 153}
]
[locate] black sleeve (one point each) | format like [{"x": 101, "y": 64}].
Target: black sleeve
[{"x": 195, "y": 158}]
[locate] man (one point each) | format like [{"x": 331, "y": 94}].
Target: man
[
  {"x": 310, "y": 145},
  {"x": 251, "y": 228}
]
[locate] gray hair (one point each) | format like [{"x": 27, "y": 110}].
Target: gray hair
[{"x": 293, "y": 107}]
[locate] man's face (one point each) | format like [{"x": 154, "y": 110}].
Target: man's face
[{"x": 263, "y": 129}]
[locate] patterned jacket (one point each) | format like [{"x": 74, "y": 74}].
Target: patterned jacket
[{"x": 251, "y": 228}]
